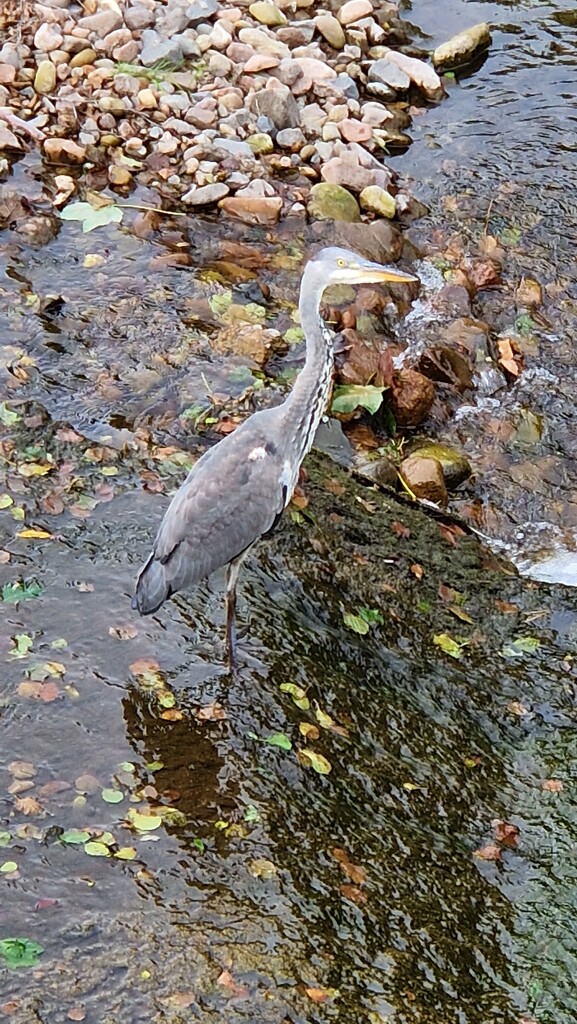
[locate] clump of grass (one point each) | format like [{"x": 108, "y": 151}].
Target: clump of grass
[{"x": 157, "y": 73}]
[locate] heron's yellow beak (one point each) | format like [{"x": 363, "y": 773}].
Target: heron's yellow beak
[{"x": 375, "y": 275}]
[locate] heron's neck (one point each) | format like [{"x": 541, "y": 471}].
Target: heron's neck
[{"x": 308, "y": 399}]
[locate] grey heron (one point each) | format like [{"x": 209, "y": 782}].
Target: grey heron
[{"x": 237, "y": 490}]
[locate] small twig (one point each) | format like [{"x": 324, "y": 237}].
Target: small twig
[{"x": 152, "y": 209}]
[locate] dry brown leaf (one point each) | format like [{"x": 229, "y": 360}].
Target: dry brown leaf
[
  {"x": 76, "y": 1013},
  {"x": 28, "y": 805},
  {"x": 505, "y": 833},
  {"x": 213, "y": 712},
  {"x": 488, "y": 852},
  {"x": 552, "y": 785},
  {"x": 172, "y": 715},
  {"x": 50, "y": 691},
  {"x": 28, "y": 688},
  {"x": 351, "y": 892},
  {"x": 417, "y": 571},
  {"x": 127, "y": 632},
  {"x": 334, "y": 486},
  {"x": 144, "y": 665},
  {"x": 400, "y": 530}
]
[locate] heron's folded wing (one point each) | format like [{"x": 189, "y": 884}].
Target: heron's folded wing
[{"x": 228, "y": 501}]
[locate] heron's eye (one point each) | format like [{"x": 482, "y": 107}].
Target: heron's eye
[{"x": 341, "y": 263}]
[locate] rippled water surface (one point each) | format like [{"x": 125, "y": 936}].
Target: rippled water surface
[{"x": 430, "y": 875}]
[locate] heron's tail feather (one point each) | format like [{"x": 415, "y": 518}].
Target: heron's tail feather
[{"x": 152, "y": 587}]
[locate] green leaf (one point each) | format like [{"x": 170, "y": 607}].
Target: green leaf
[
  {"x": 112, "y": 796},
  {"x": 167, "y": 700},
  {"x": 371, "y": 615},
  {"x": 22, "y": 644},
  {"x": 252, "y": 815},
  {"x": 90, "y": 217},
  {"x": 125, "y": 853},
  {"x": 356, "y": 623},
  {"x": 143, "y": 822},
  {"x": 6, "y": 501},
  {"x": 20, "y": 952},
  {"x": 522, "y": 645},
  {"x": 348, "y": 397},
  {"x": 152, "y": 766},
  {"x": 74, "y": 835},
  {"x": 278, "y": 739},
  {"x": 199, "y": 844},
  {"x": 8, "y": 867},
  {"x": 7, "y": 416},
  {"x": 128, "y": 766},
  {"x": 95, "y": 849},
  {"x": 4, "y": 838},
  {"x": 20, "y": 591},
  {"x": 317, "y": 762},
  {"x": 448, "y": 645},
  {"x": 298, "y": 695},
  {"x": 59, "y": 644}
]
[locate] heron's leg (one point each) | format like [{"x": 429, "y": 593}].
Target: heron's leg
[{"x": 231, "y": 581}]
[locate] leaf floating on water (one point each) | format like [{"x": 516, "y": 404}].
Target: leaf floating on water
[
  {"x": 252, "y": 815},
  {"x": 298, "y": 695},
  {"x": 310, "y": 759},
  {"x": 309, "y": 731},
  {"x": 90, "y": 217},
  {"x": 21, "y": 591},
  {"x": 112, "y": 796},
  {"x": 322, "y": 995},
  {"x": 522, "y": 645},
  {"x": 324, "y": 720},
  {"x": 125, "y": 853},
  {"x": 96, "y": 849},
  {"x": 488, "y": 852},
  {"x": 92, "y": 259},
  {"x": 7, "y": 416},
  {"x": 356, "y": 623},
  {"x": 20, "y": 952},
  {"x": 31, "y": 533},
  {"x": 143, "y": 822},
  {"x": 552, "y": 785},
  {"x": 506, "y": 833},
  {"x": 278, "y": 739},
  {"x": 213, "y": 712},
  {"x": 5, "y": 838},
  {"x": 74, "y": 836},
  {"x": 6, "y": 501},
  {"x": 220, "y": 302},
  {"x": 22, "y": 644},
  {"x": 348, "y": 397},
  {"x": 448, "y": 645},
  {"x": 8, "y": 867},
  {"x": 262, "y": 868}
]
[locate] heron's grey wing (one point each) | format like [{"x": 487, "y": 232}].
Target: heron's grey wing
[{"x": 232, "y": 497}]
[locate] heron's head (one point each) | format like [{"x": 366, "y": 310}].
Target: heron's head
[{"x": 340, "y": 266}]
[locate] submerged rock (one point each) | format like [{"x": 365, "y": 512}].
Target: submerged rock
[
  {"x": 463, "y": 47},
  {"x": 332, "y": 202}
]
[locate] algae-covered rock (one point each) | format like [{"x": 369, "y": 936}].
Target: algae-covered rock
[
  {"x": 455, "y": 466},
  {"x": 332, "y": 202},
  {"x": 378, "y": 200},
  {"x": 462, "y": 48}
]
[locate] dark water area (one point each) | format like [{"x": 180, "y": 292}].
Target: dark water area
[{"x": 430, "y": 875}]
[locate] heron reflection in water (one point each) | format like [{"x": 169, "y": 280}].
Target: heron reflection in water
[{"x": 237, "y": 491}]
